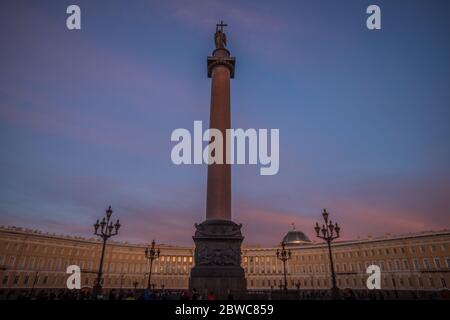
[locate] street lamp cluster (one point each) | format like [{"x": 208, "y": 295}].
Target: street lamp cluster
[
  {"x": 284, "y": 255},
  {"x": 329, "y": 232},
  {"x": 105, "y": 230},
  {"x": 151, "y": 254}
]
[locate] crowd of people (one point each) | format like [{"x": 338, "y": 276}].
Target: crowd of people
[
  {"x": 115, "y": 294},
  {"x": 111, "y": 295}
]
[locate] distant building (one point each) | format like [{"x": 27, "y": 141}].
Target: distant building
[{"x": 408, "y": 262}]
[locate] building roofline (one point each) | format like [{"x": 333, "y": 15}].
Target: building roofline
[
  {"x": 38, "y": 233},
  {"x": 359, "y": 241},
  {"x": 306, "y": 245}
]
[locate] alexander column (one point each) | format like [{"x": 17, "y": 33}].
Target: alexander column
[{"x": 218, "y": 239}]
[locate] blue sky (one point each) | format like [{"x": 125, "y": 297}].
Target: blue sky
[{"x": 86, "y": 116}]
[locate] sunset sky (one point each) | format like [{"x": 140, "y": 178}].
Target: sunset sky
[{"x": 86, "y": 116}]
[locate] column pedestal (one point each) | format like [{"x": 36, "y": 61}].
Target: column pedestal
[{"x": 217, "y": 257}]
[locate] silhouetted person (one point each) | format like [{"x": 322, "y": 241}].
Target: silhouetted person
[{"x": 194, "y": 294}]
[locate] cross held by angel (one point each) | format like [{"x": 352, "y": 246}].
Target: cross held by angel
[{"x": 220, "y": 38}]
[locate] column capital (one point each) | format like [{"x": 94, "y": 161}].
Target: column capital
[{"x": 221, "y": 57}]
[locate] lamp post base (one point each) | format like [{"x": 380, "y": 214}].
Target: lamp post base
[{"x": 97, "y": 291}]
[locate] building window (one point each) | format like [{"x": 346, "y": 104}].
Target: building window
[
  {"x": 405, "y": 265},
  {"x": 5, "y": 280},
  {"x": 12, "y": 260},
  {"x": 444, "y": 284},
  {"x": 420, "y": 282},
  {"x": 31, "y": 262},
  {"x": 416, "y": 265},
  {"x": 41, "y": 263},
  {"x": 437, "y": 263},
  {"x": 49, "y": 264},
  {"x": 22, "y": 262},
  {"x": 27, "y": 278},
  {"x": 426, "y": 264},
  {"x": 16, "y": 280}
]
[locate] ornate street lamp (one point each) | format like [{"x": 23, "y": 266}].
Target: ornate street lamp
[
  {"x": 329, "y": 232},
  {"x": 284, "y": 255},
  {"x": 151, "y": 254},
  {"x": 105, "y": 230}
]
